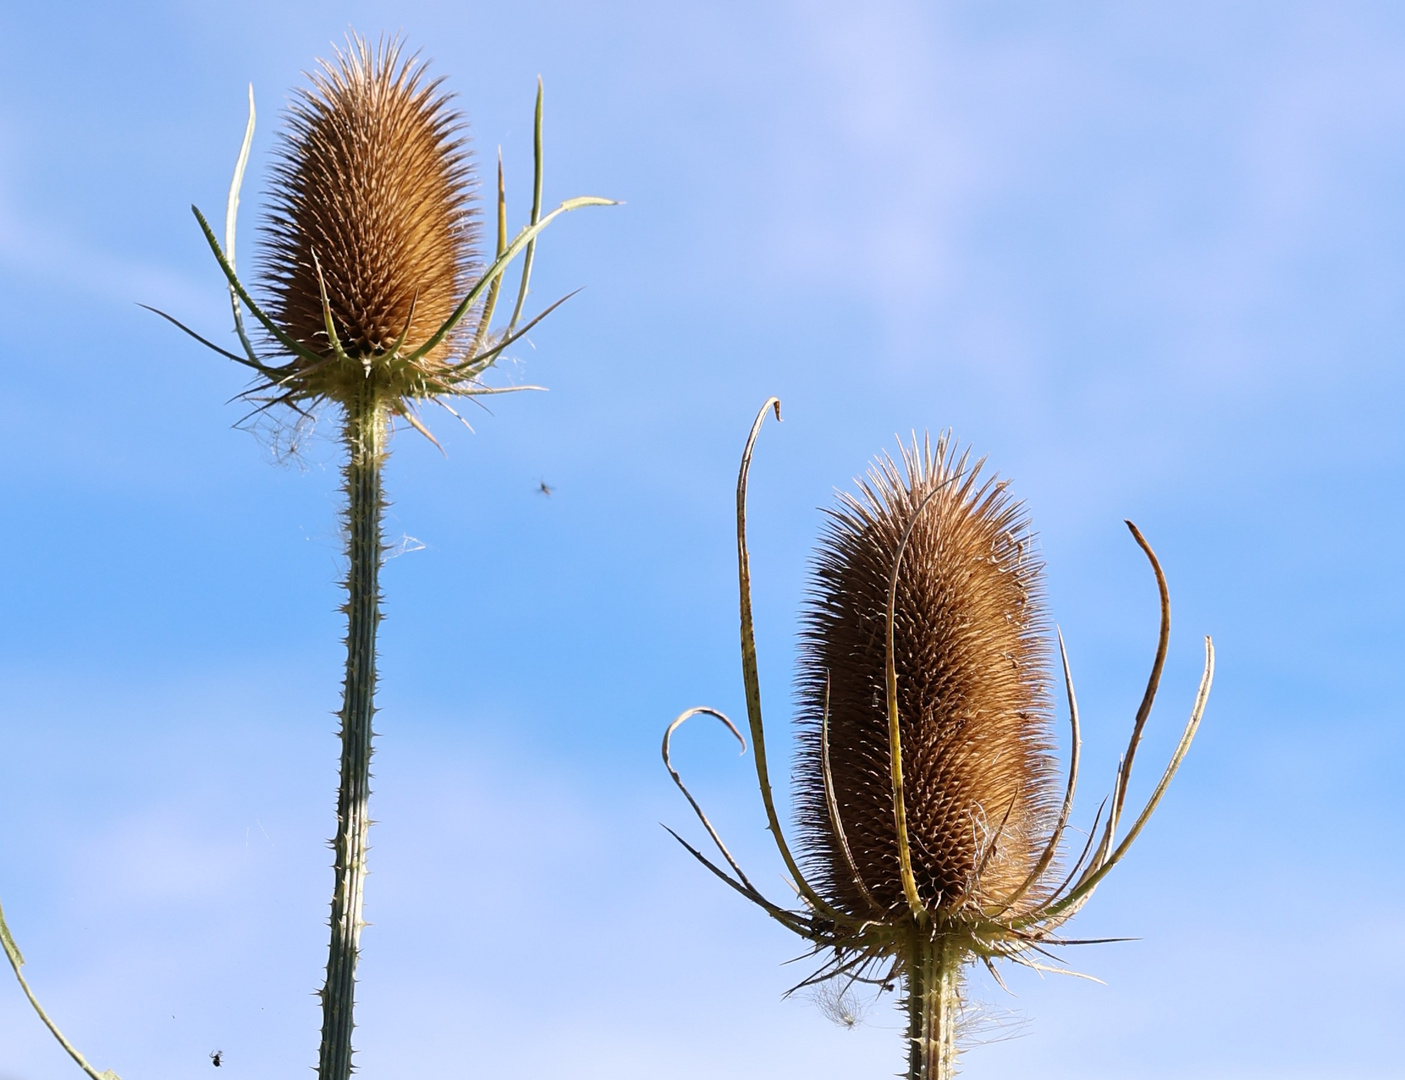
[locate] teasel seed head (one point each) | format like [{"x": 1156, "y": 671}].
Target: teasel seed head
[
  {"x": 371, "y": 209},
  {"x": 376, "y": 295},
  {"x": 971, "y": 662},
  {"x": 930, "y": 832}
]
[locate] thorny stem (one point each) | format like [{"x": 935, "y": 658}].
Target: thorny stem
[
  {"x": 366, "y": 428},
  {"x": 933, "y": 1005}
]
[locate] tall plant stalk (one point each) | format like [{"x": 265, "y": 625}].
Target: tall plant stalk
[
  {"x": 377, "y": 305},
  {"x": 365, "y": 427}
]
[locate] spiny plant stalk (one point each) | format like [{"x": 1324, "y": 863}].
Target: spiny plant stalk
[
  {"x": 365, "y": 430},
  {"x": 931, "y": 829},
  {"x": 377, "y": 305},
  {"x": 933, "y": 1004}
]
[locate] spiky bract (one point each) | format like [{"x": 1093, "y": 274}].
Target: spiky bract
[
  {"x": 370, "y": 208},
  {"x": 972, "y": 688}
]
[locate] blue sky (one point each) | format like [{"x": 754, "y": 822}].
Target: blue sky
[{"x": 1147, "y": 257}]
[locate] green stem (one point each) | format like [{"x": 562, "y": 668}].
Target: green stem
[
  {"x": 933, "y": 1004},
  {"x": 365, "y": 431},
  {"x": 12, "y": 951}
]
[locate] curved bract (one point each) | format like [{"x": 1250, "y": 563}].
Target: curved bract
[
  {"x": 931, "y": 822},
  {"x": 12, "y": 953}
]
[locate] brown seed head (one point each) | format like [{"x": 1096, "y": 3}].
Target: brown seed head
[
  {"x": 971, "y": 682},
  {"x": 373, "y": 185}
]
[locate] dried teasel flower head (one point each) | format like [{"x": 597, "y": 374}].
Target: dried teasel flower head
[
  {"x": 930, "y": 826},
  {"x": 971, "y": 665},
  {"x": 371, "y": 209},
  {"x": 376, "y": 296},
  {"x": 371, "y": 269}
]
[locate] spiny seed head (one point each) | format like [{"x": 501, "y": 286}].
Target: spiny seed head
[
  {"x": 372, "y": 185},
  {"x": 971, "y": 661},
  {"x": 924, "y": 776}
]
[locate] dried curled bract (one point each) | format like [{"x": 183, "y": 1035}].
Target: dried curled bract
[
  {"x": 970, "y": 654},
  {"x": 929, "y": 818}
]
